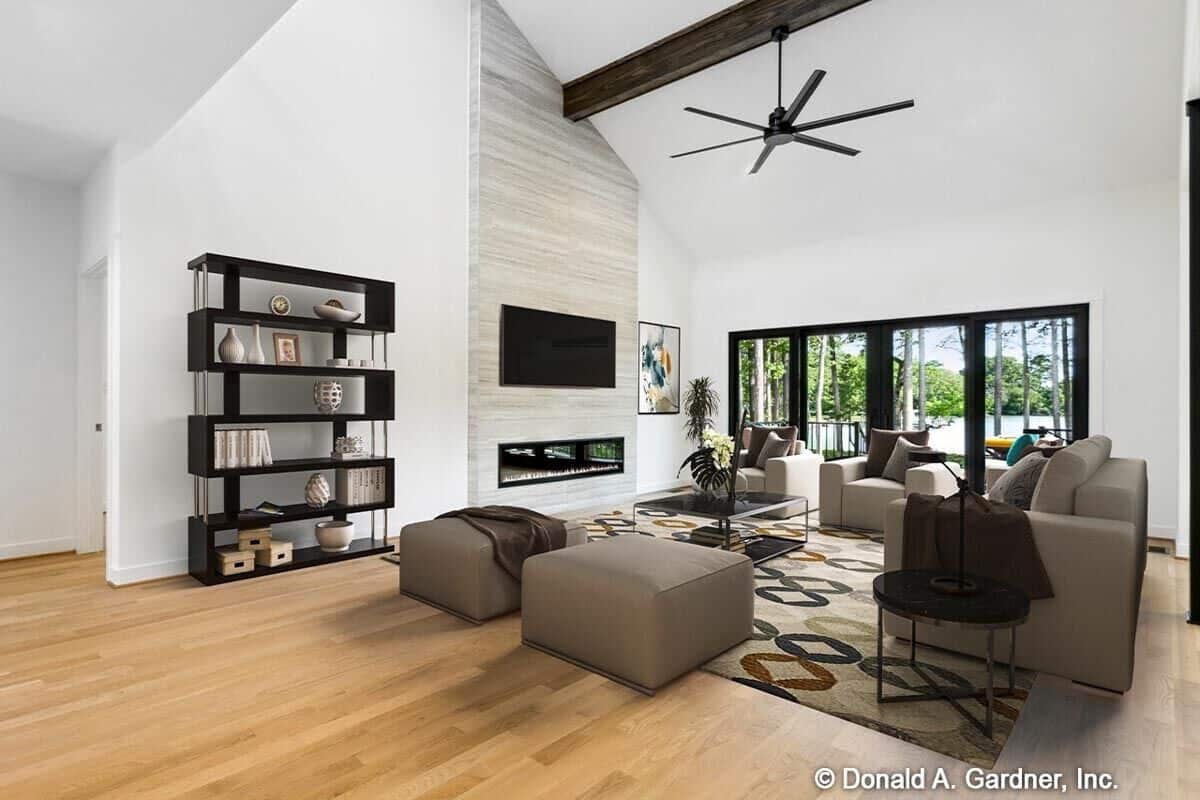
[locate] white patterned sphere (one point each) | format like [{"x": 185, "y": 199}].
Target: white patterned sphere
[
  {"x": 328, "y": 396},
  {"x": 316, "y": 491}
]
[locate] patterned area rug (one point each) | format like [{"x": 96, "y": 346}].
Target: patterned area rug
[{"x": 815, "y": 640}]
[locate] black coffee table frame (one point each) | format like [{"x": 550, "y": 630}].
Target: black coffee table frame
[
  {"x": 926, "y": 613},
  {"x": 724, "y": 513}
]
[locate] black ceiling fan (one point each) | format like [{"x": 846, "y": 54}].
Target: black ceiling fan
[{"x": 781, "y": 127}]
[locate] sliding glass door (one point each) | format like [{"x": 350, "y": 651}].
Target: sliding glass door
[
  {"x": 836, "y": 393},
  {"x": 929, "y": 385},
  {"x": 765, "y": 379},
  {"x": 967, "y": 378},
  {"x": 1029, "y": 376}
]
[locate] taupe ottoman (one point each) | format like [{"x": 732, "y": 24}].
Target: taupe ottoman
[
  {"x": 639, "y": 610},
  {"x": 450, "y": 565}
]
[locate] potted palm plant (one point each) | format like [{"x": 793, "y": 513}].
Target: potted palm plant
[{"x": 700, "y": 405}]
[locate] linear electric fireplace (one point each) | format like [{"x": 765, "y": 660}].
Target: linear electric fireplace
[{"x": 523, "y": 463}]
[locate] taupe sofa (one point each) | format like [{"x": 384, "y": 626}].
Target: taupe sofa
[
  {"x": 849, "y": 499},
  {"x": 1089, "y": 522}
]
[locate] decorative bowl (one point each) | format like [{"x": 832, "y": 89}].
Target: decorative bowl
[
  {"x": 335, "y": 535},
  {"x": 336, "y": 314}
]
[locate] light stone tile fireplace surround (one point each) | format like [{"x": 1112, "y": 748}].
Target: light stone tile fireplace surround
[{"x": 553, "y": 227}]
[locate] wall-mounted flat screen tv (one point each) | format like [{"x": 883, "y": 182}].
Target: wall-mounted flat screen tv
[{"x": 541, "y": 348}]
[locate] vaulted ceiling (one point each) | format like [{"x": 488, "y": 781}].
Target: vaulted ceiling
[
  {"x": 80, "y": 75},
  {"x": 1018, "y": 103}
]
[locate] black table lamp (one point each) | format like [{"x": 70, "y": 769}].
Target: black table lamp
[{"x": 951, "y": 584}]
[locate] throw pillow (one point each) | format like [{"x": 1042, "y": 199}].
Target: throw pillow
[
  {"x": 900, "y": 461},
  {"x": 881, "y": 444},
  {"x": 773, "y": 447},
  {"x": 1015, "y": 487},
  {"x": 758, "y": 436},
  {"x": 1018, "y": 447}
]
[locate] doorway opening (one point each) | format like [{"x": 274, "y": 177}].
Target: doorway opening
[{"x": 91, "y": 384}]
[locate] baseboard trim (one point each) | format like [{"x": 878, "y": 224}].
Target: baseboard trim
[
  {"x": 1163, "y": 532},
  {"x": 127, "y": 576},
  {"x": 40, "y": 547}
]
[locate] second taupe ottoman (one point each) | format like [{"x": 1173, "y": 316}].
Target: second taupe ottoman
[
  {"x": 636, "y": 609},
  {"x": 450, "y": 565}
]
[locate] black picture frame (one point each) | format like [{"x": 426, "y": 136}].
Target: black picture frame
[{"x": 678, "y": 357}]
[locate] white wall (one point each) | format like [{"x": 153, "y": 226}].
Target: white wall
[
  {"x": 1119, "y": 251},
  {"x": 664, "y": 296},
  {"x": 338, "y": 142},
  {"x": 38, "y": 252},
  {"x": 1191, "y": 91}
]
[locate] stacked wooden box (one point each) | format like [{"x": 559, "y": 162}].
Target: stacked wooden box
[{"x": 255, "y": 547}]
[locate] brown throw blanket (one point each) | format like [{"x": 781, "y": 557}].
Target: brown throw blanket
[
  {"x": 516, "y": 533},
  {"x": 999, "y": 541}
]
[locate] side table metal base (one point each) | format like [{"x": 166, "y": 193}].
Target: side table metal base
[{"x": 950, "y": 694}]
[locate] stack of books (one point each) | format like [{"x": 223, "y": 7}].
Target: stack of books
[
  {"x": 357, "y": 487},
  {"x": 241, "y": 447},
  {"x": 711, "y": 537}
]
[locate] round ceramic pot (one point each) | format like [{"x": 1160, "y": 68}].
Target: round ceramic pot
[{"x": 335, "y": 536}]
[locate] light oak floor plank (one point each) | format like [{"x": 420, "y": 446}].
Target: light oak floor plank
[{"x": 328, "y": 683}]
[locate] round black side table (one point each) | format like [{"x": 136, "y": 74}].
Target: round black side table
[{"x": 907, "y": 593}]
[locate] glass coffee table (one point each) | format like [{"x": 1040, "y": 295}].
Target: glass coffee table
[{"x": 723, "y": 511}]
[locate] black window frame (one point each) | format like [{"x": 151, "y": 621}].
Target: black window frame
[{"x": 879, "y": 333}]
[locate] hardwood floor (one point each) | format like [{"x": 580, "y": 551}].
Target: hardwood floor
[{"x": 327, "y": 683}]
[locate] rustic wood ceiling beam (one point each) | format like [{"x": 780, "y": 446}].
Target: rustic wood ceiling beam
[{"x": 736, "y": 30}]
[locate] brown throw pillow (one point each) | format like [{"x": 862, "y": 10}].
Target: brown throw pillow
[
  {"x": 773, "y": 447},
  {"x": 901, "y": 460},
  {"x": 883, "y": 442},
  {"x": 758, "y": 437}
]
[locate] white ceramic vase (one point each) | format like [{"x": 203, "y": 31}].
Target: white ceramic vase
[
  {"x": 316, "y": 491},
  {"x": 231, "y": 350},
  {"x": 256, "y": 354},
  {"x": 327, "y": 395},
  {"x": 335, "y": 536}
]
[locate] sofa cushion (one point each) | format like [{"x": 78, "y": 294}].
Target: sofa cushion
[
  {"x": 864, "y": 502},
  {"x": 752, "y": 479},
  {"x": 773, "y": 447},
  {"x": 1069, "y": 469},
  {"x": 758, "y": 437},
  {"x": 883, "y": 442},
  {"x": 1016, "y": 486},
  {"x": 901, "y": 461}
]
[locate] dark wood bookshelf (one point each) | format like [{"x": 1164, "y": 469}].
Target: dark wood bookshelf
[
  {"x": 295, "y": 512},
  {"x": 301, "y": 557},
  {"x": 287, "y": 322},
  {"x": 379, "y": 404},
  {"x": 304, "y": 371},
  {"x": 295, "y": 465}
]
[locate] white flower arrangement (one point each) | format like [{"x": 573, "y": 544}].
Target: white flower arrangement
[{"x": 721, "y": 445}]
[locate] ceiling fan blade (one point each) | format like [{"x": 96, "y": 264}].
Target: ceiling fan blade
[
  {"x": 724, "y": 118},
  {"x": 802, "y": 99},
  {"x": 812, "y": 141},
  {"x": 762, "y": 158},
  {"x": 853, "y": 115},
  {"x": 717, "y": 146}
]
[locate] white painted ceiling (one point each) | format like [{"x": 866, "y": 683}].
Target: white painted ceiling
[
  {"x": 1018, "y": 103},
  {"x": 76, "y": 76}
]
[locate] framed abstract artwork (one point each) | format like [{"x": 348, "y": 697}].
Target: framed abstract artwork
[{"x": 658, "y": 368}]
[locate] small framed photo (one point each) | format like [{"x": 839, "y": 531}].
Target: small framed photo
[{"x": 287, "y": 348}]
